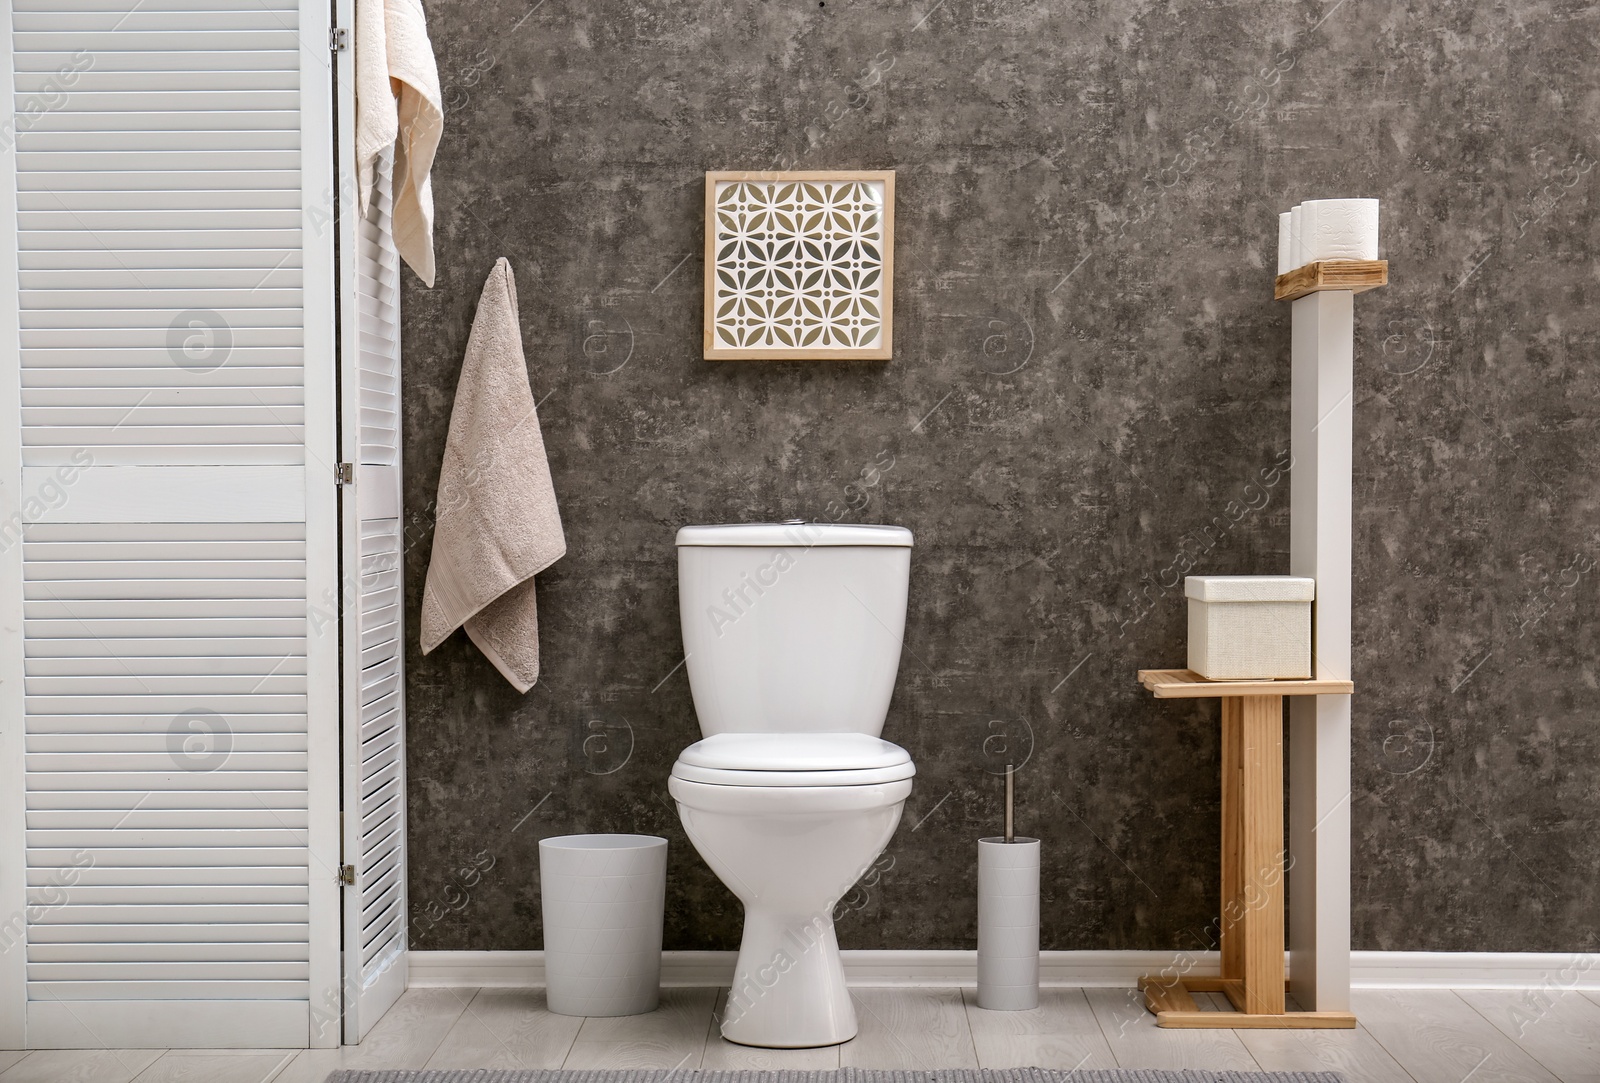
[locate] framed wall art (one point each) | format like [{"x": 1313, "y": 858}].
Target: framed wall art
[{"x": 799, "y": 265}]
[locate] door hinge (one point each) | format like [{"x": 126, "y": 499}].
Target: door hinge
[
  {"x": 347, "y": 875},
  {"x": 338, "y": 39},
  {"x": 345, "y": 474}
]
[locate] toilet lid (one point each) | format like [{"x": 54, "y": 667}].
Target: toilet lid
[{"x": 793, "y": 759}]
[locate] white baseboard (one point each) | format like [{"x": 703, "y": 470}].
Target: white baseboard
[
  {"x": 1474, "y": 970},
  {"x": 1112, "y": 969}
]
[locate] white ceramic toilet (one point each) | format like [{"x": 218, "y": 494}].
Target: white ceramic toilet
[{"x": 792, "y": 633}]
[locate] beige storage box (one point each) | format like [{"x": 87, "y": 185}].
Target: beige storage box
[{"x": 1250, "y": 627}]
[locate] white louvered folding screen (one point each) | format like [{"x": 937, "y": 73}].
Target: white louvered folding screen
[
  {"x": 375, "y": 924},
  {"x": 168, "y": 526}
]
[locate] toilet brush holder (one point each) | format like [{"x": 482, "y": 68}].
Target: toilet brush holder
[{"x": 1008, "y": 924}]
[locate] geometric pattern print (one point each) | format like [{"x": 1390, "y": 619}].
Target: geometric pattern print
[{"x": 799, "y": 265}]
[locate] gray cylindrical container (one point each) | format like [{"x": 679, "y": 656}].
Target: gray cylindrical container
[
  {"x": 603, "y": 897},
  {"x": 1008, "y": 924}
]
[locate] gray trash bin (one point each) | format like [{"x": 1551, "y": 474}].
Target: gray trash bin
[{"x": 602, "y": 897}]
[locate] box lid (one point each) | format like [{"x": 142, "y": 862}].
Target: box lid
[{"x": 1250, "y": 588}]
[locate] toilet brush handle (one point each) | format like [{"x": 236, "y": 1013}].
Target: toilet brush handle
[{"x": 1010, "y": 836}]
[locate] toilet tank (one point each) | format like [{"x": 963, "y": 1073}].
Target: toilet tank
[{"x": 792, "y": 627}]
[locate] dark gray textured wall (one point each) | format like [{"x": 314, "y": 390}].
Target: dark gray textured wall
[{"x": 1089, "y": 393}]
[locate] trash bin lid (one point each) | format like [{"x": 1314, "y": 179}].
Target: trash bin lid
[{"x": 602, "y": 842}]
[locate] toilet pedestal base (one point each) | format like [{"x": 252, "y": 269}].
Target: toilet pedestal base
[{"x": 788, "y": 989}]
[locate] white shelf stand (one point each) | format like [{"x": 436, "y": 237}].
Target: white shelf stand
[
  {"x": 1321, "y": 442},
  {"x": 1322, "y": 436}
]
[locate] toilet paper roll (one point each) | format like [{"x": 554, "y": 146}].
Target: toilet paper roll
[
  {"x": 1285, "y": 243},
  {"x": 1339, "y": 229},
  {"x": 1008, "y": 924},
  {"x": 1297, "y": 250}
]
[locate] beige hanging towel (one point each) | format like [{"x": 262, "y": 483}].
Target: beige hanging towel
[
  {"x": 398, "y": 102},
  {"x": 496, "y": 522}
]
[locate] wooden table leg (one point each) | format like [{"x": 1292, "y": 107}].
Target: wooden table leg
[
  {"x": 1230, "y": 933},
  {"x": 1260, "y": 863}
]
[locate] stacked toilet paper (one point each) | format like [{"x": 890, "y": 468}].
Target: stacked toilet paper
[{"x": 1320, "y": 229}]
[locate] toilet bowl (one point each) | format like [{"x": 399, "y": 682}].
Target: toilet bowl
[
  {"x": 789, "y": 843},
  {"x": 792, "y": 637}
]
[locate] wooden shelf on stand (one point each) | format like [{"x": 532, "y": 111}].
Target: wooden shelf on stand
[
  {"x": 1252, "y": 860},
  {"x": 1187, "y": 684},
  {"x": 1355, "y": 275}
]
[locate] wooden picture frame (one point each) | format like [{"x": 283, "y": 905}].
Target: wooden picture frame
[{"x": 799, "y": 265}]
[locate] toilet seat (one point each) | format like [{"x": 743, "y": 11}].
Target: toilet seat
[
  {"x": 793, "y": 759},
  {"x": 786, "y": 801}
]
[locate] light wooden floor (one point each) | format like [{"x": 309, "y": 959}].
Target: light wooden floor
[{"x": 1405, "y": 1037}]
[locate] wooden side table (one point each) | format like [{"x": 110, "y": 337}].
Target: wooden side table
[{"x": 1252, "y": 859}]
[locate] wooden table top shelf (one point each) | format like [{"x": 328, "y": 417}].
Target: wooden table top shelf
[{"x": 1187, "y": 684}]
